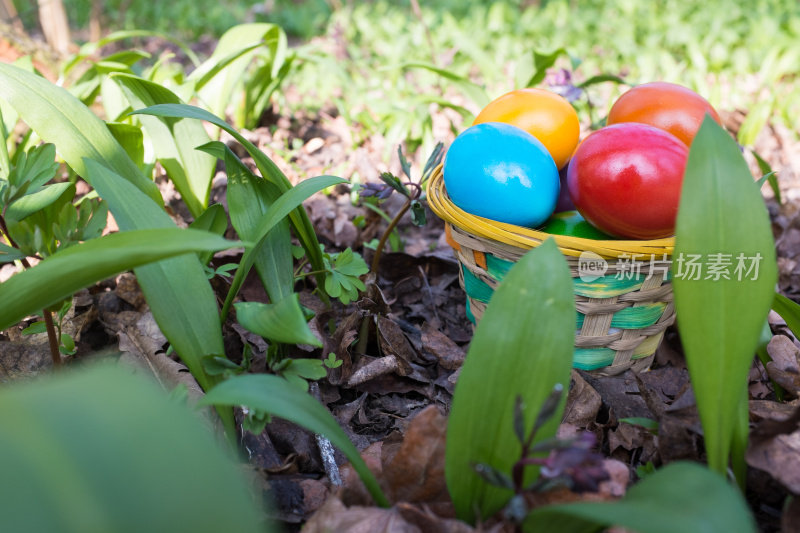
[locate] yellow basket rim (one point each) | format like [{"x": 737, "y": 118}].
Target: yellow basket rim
[{"x": 526, "y": 238}]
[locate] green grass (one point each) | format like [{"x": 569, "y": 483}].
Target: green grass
[{"x": 737, "y": 53}]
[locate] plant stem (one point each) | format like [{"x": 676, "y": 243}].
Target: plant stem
[
  {"x": 302, "y": 275},
  {"x": 376, "y": 260},
  {"x": 51, "y": 336}
]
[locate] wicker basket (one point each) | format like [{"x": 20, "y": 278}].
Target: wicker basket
[{"x": 621, "y": 316}]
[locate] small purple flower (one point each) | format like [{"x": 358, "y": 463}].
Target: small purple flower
[
  {"x": 577, "y": 463},
  {"x": 560, "y": 82},
  {"x": 378, "y": 190}
]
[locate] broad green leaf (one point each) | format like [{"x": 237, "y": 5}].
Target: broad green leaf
[
  {"x": 471, "y": 90},
  {"x": 789, "y": 311},
  {"x": 301, "y": 224},
  {"x": 103, "y": 450},
  {"x": 276, "y": 396},
  {"x": 131, "y": 139},
  {"x": 249, "y": 199},
  {"x": 91, "y": 47},
  {"x": 723, "y": 228},
  {"x": 82, "y": 265},
  {"x": 283, "y": 321},
  {"x": 681, "y": 496},
  {"x": 174, "y": 141},
  {"x": 235, "y": 49},
  {"x": 213, "y": 219},
  {"x": 37, "y": 201},
  {"x": 8, "y": 254},
  {"x": 211, "y": 67},
  {"x": 522, "y": 347},
  {"x": 60, "y": 118},
  {"x": 281, "y": 208},
  {"x": 176, "y": 289}
]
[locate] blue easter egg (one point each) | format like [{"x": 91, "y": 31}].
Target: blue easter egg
[{"x": 498, "y": 171}]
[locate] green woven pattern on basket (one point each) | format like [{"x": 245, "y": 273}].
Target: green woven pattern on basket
[
  {"x": 470, "y": 316},
  {"x": 496, "y": 267},
  {"x": 595, "y": 358},
  {"x": 633, "y": 317},
  {"x": 476, "y": 288}
]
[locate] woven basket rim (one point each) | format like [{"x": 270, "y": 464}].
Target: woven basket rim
[{"x": 526, "y": 238}]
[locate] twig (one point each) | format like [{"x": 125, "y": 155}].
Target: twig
[
  {"x": 52, "y": 338},
  {"x": 376, "y": 260},
  {"x": 326, "y": 448}
]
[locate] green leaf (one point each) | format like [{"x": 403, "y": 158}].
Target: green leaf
[
  {"x": 68, "y": 344},
  {"x": 342, "y": 276},
  {"x": 79, "y": 266},
  {"x": 60, "y": 118},
  {"x": 215, "y": 365},
  {"x": 37, "y": 167},
  {"x": 276, "y": 396},
  {"x": 279, "y": 322},
  {"x": 789, "y": 311},
  {"x": 395, "y": 183},
  {"x": 36, "y": 327},
  {"x": 594, "y": 80},
  {"x": 647, "y": 423},
  {"x": 131, "y": 139},
  {"x": 542, "y": 62},
  {"x": 174, "y": 141},
  {"x": 223, "y": 71},
  {"x": 769, "y": 174},
  {"x": 9, "y": 254},
  {"x": 213, "y": 219},
  {"x": 110, "y": 457},
  {"x": 306, "y": 368},
  {"x": 678, "y": 497},
  {"x": 301, "y": 224},
  {"x": 757, "y": 118},
  {"x": 27, "y": 205},
  {"x": 522, "y": 347},
  {"x": 176, "y": 289},
  {"x": 471, "y": 90},
  {"x": 722, "y": 221},
  {"x": 418, "y": 213},
  {"x": 284, "y": 205},
  {"x": 249, "y": 199}
]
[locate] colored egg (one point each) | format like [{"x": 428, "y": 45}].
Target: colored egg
[
  {"x": 498, "y": 171},
  {"x": 571, "y": 223},
  {"x": 564, "y": 202}
]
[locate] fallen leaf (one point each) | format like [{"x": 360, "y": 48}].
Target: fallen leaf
[
  {"x": 784, "y": 368},
  {"x": 583, "y": 402},
  {"x": 334, "y": 516},
  {"x": 415, "y": 473},
  {"x": 775, "y": 447},
  {"x": 393, "y": 342},
  {"x": 449, "y": 354}
]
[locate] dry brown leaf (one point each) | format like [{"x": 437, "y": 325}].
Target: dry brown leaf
[
  {"x": 373, "y": 369},
  {"x": 393, "y": 341},
  {"x": 784, "y": 368},
  {"x": 583, "y": 402},
  {"x": 775, "y": 447},
  {"x": 416, "y": 471},
  {"x": 335, "y": 517},
  {"x": 449, "y": 354}
]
